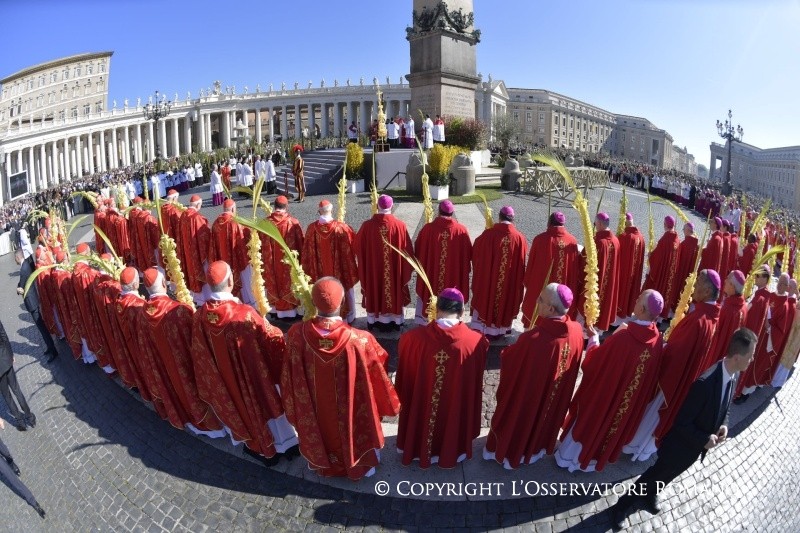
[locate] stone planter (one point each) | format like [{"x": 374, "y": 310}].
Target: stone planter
[
  {"x": 439, "y": 192},
  {"x": 355, "y": 186}
]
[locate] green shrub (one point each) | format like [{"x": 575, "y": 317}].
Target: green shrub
[{"x": 355, "y": 161}]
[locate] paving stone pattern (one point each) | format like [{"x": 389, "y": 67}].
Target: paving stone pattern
[{"x": 101, "y": 460}]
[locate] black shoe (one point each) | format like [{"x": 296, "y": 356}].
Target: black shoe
[
  {"x": 266, "y": 461},
  {"x": 651, "y": 506},
  {"x": 31, "y": 420},
  {"x": 741, "y": 399},
  {"x": 13, "y": 466},
  {"x": 20, "y": 425},
  {"x": 292, "y": 452},
  {"x": 38, "y": 509},
  {"x": 52, "y": 357}
]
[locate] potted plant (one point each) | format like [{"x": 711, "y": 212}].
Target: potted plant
[
  {"x": 354, "y": 167},
  {"x": 439, "y": 176}
]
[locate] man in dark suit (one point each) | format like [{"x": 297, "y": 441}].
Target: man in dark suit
[
  {"x": 27, "y": 267},
  {"x": 9, "y": 384},
  {"x": 10, "y": 471},
  {"x": 701, "y": 424}
]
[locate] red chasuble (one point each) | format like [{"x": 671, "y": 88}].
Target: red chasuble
[
  {"x": 558, "y": 247},
  {"x": 105, "y": 291},
  {"x": 783, "y": 335},
  {"x": 440, "y": 383},
  {"x": 118, "y": 234},
  {"x": 276, "y": 273},
  {"x": 733, "y": 252},
  {"x": 687, "y": 257},
  {"x": 144, "y": 235},
  {"x": 193, "y": 245},
  {"x": 384, "y": 274},
  {"x": 732, "y": 316},
  {"x": 711, "y": 256},
  {"x": 537, "y": 378},
  {"x": 229, "y": 244},
  {"x": 68, "y": 311},
  {"x": 328, "y": 251},
  {"x": 745, "y": 263},
  {"x": 132, "y": 363},
  {"x": 165, "y": 342},
  {"x": 723, "y": 261},
  {"x": 237, "y": 357},
  {"x": 608, "y": 277},
  {"x": 47, "y": 297},
  {"x": 662, "y": 274},
  {"x": 619, "y": 380},
  {"x": 444, "y": 248},
  {"x": 171, "y": 219},
  {"x": 761, "y": 370},
  {"x": 335, "y": 391},
  {"x": 83, "y": 277},
  {"x": 100, "y": 222},
  {"x": 684, "y": 356},
  {"x": 756, "y": 322},
  {"x": 498, "y": 272},
  {"x": 631, "y": 259}
]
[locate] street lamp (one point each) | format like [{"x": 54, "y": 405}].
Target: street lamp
[
  {"x": 730, "y": 134},
  {"x": 155, "y": 111}
]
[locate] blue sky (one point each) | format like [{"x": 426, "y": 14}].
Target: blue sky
[{"x": 681, "y": 63}]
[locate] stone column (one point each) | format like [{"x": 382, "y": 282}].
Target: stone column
[
  {"x": 284, "y": 122},
  {"x": 151, "y": 150},
  {"x": 337, "y": 118},
  {"x": 363, "y": 117},
  {"x": 78, "y": 157},
  {"x": 31, "y": 171},
  {"x": 312, "y": 121},
  {"x": 176, "y": 144},
  {"x": 53, "y": 163},
  {"x": 270, "y": 126},
  {"x": 323, "y": 119},
  {"x": 102, "y": 158},
  {"x": 126, "y": 139},
  {"x": 201, "y": 131},
  {"x": 258, "y": 125},
  {"x": 138, "y": 154},
  {"x": 226, "y": 129},
  {"x": 114, "y": 160},
  {"x": 43, "y": 166},
  {"x": 67, "y": 161},
  {"x": 209, "y": 134},
  {"x": 162, "y": 138},
  {"x": 187, "y": 133}
]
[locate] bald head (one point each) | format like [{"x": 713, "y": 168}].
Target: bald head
[
  {"x": 648, "y": 306},
  {"x": 783, "y": 283}
]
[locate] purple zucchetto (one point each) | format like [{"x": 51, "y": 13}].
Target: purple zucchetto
[
  {"x": 718, "y": 222},
  {"x": 565, "y": 295},
  {"x": 737, "y": 277},
  {"x": 629, "y": 217},
  {"x": 446, "y": 207},
  {"x": 507, "y": 211},
  {"x": 669, "y": 221},
  {"x": 385, "y": 202},
  {"x": 559, "y": 218},
  {"x": 713, "y": 277},
  {"x": 691, "y": 226},
  {"x": 452, "y": 294},
  {"x": 602, "y": 217},
  {"x": 655, "y": 303}
]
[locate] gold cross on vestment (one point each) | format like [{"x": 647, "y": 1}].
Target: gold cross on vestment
[
  {"x": 326, "y": 344},
  {"x": 441, "y": 357},
  {"x": 213, "y": 318}
]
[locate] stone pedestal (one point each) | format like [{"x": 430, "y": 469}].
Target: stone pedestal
[
  {"x": 510, "y": 175},
  {"x": 443, "y": 74}
]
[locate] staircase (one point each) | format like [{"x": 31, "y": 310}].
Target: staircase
[
  {"x": 322, "y": 171},
  {"x": 488, "y": 176}
]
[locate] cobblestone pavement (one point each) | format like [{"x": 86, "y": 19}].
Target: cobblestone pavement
[{"x": 100, "y": 459}]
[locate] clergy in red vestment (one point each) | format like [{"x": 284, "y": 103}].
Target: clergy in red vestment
[
  {"x": 663, "y": 263},
  {"x": 758, "y": 310},
  {"x": 67, "y": 305},
  {"x": 711, "y": 256},
  {"x": 47, "y": 293},
  {"x": 684, "y": 355},
  {"x": 440, "y": 384},
  {"x": 276, "y": 273},
  {"x": 792, "y": 347},
  {"x": 229, "y": 243},
  {"x": 748, "y": 254},
  {"x": 687, "y": 258},
  {"x": 104, "y": 292},
  {"x": 608, "y": 272},
  {"x": 144, "y": 235},
  {"x": 335, "y": 389},
  {"x": 132, "y": 367},
  {"x": 444, "y": 248},
  {"x": 328, "y": 251},
  {"x": 165, "y": 342},
  {"x": 498, "y": 272},
  {"x": 118, "y": 233},
  {"x": 631, "y": 257},
  {"x": 384, "y": 274},
  {"x": 556, "y": 247},
  {"x": 237, "y": 358},
  {"x": 726, "y": 246},
  {"x": 83, "y": 277},
  {"x": 537, "y": 378},
  {"x": 732, "y": 316},
  {"x": 171, "y": 215},
  {"x": 771, "y": 340},
  {"x": 193, "y": 245},
  {"x": 619, "y": 380},
  {"x": 733, "y": 248},
  {"x": 100, "y": 221}
]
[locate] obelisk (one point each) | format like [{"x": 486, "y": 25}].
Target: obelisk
[{"x": 443, "y": 74}]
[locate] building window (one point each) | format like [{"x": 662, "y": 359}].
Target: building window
[
  {"x": 51, "y": 98},
  {"x": 77, "y": 71},
  {"x": 87, "y": 109},
  {"x": 41, "y": 80},
  {"x": 53, "y": 77},
  {"x": 74, "y": 112},
  {"x": 64, "y": 93},
  {"x": 555, "y": 132},
  {"x": 62, "y": 115},
  {"x": 571, "y": 123},
  {"x": 564, "y": 122},
  {"x": 516, "y": 115},
  {"x": 87, "y": 89},
  {"x": 102, "y": 67},
  {"x": 529, "y": 116},
  {"x": 541, "y": 118},
  {"x": 99, "y": 86},
  {"x": 75, "y": 92},
  {"x": 529, "y": 128},
  {"x": 40, "y": 100},
  {"x": 98, "y": 107},
  {"x": 89, "y": 68},
  {"x": 541, "y": 129}
]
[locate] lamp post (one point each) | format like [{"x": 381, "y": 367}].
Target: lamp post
[
  {"x": 155, "y": 111},
  {"x": 730, "y": 134}
]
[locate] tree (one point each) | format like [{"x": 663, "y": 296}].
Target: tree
[{"x": 506, "y": 129}]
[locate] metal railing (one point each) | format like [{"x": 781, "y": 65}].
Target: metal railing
[{"x": 540, "y": 181}]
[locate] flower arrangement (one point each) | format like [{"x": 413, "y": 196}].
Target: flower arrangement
[
  {"x": 439, "y": 160},
  {"x": 470, "y": 133}
]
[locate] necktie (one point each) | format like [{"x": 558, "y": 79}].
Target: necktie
[{"x": 726, "y": 398}]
